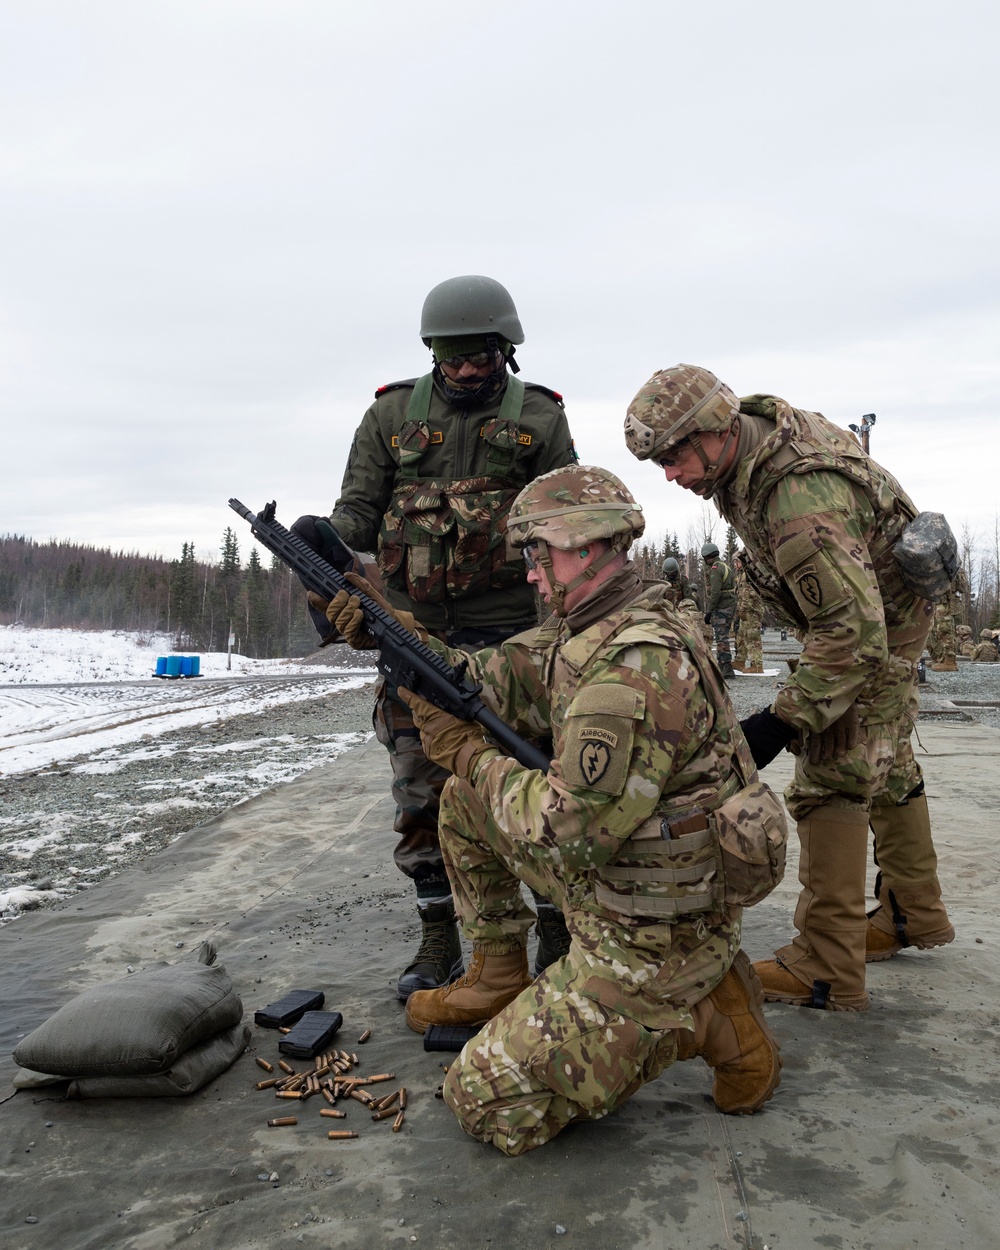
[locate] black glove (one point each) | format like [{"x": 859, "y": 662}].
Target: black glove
[
  {"x": 767, "y": 735},
  {"x": 310, "y": 530},
  {"x": 708, "y": 618}
]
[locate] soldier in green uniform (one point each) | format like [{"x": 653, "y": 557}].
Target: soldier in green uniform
[
  {"x": 680, "y": 587},
  {"x": 434, "y": 467},
  {"x": 820, "y": 520},
  {"x": 651, "y": 780},
  {"x": 720, "y": 604},
  {"x": 749, "y": 619}
]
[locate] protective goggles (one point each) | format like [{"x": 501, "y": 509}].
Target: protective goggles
[{"x": 477, "y": 359}]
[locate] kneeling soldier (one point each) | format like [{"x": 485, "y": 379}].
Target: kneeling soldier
[{"x": 627, "y": 832}]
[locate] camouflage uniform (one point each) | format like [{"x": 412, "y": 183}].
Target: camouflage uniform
[
  {"x": 680, "y": 587},
  {"x": 597, "y": 1024},
  {"x": 720, "y": 602},
  {"x": 750, "y": 613},
  {"x": 986, "y": 652},
  {"x": 431, "y": 495},
  {"x": 966, "y": 646},
  {"x": 819, "y": 520},
  {"x": 942, "y": 642}
]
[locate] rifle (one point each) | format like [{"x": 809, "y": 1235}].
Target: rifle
[{"x": 403, "y": 659}]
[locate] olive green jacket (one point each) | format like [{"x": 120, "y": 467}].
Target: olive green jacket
[{"x": 457, "y": 450}]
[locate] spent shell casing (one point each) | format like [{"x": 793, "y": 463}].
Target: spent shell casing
[
  {"x": 262, "y": 1063},
  {"x": 364, "y": 1037},
  {"x": 402, "y": 1097},
  {"x": 328, "y": 1096},
  {"x": 288, "y": 1093},
  {"x": 381, "y": 1076},
  {"x": 360, "y": 1096},
  {"x": 384, "y": 1115},
  {"x": 333, "y": 1115},
  {"x": 286, "y": 1067},
  {"x": 354, "y": 1059},
  {"x": 381, "y": 1103},
  {"x": 282, "y": 1121},
  {"x": 282, "y": 1029},
  {"x": 340, "y": 1134},
  {"x": 266, "y": 1084},
  {"x": 397, "y": 1124}
]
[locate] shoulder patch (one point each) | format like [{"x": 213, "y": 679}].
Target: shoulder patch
[
  {"x": 537, "y": 386},
  {"x": 395, "y": 386}
]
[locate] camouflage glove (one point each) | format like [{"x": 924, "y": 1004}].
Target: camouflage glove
[
  {"x": 767, "y": 735},
  {"x": 454, "y": 744},
  {"x": 837, "y": 739}
]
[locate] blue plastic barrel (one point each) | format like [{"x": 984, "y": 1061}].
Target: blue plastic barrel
[
  {"x": 185, "y": 665},
  {"x": 173, "y": 666},
  {"x": 161, "y": 666},
  {"x": 196, "y": 666}
]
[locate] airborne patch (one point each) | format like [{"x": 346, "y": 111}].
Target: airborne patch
[
  {"x": 594, "y": 760},
  {"x": 592, "y": 733}
]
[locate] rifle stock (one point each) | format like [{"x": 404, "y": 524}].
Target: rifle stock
[{"x": 403, "y": 659}]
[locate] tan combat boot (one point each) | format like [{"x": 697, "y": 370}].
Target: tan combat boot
[
  {"x": 910, "y": 911},
  {"x": 948, "y": 665},
  {"x": 825, "y": 964},
  {"x": 732, "y": 1036},
  {"x": 491, "y": 983}
]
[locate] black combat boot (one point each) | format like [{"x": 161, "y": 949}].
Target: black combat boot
[
  {"x": 553, "y": 936},
  {"x": 726, "y": 665},
  {"x": 439, "y": 959}
]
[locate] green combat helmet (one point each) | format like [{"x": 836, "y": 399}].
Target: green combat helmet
[
  {"x": 676, "y": 405},
  {"x": 470, "y": 306},
  {"x": 709, "y": 551},
  {"x": 671, "y": 569},
  {"x": 569, "y": 508}
]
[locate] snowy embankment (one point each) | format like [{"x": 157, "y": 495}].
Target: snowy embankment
[{"x": 102, "y": 764}]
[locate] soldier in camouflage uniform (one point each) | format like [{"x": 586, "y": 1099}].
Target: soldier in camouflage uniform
[
  {"x": 623, "y": 831},
  {"x": 986, "y": 652},
  {"x": 720, "y": 604},
  {"x": 434, "y": 467},
  {"x": 750, "y": 618},
  {"x": 680, "y": 586},
  {"x": 965, "y": 644},
  {"x": 942, "y": 642},
  {"x": 820, "y": 519}
]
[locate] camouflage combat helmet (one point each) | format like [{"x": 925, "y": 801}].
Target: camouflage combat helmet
[
  {"x": 671, "y": 569},
  {"x": 675, "y": 406},
  {"x": 569, "y": 508},
  {"x": 469, "y": 306}
]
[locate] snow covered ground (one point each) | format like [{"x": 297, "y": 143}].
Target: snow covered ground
[{"x": 66, "y": 692}]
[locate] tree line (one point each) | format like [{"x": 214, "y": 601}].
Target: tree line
[{"x": 196, "y": 602}]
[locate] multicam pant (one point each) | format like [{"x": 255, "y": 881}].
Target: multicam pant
[
  {"x": 722, "y": 624},
  {"x": 555, "y": 1054},
  {"x": 880, "y": 771},
  {"x": 749, "y": 646}
]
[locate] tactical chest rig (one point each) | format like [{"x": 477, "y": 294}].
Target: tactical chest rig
[
  {"x": 717, "y": 844},
  {"x": 444, "y": 538},
  {"x": 806, "y": 443}
]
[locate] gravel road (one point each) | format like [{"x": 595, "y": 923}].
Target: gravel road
[{"x": 61, "y": 829}]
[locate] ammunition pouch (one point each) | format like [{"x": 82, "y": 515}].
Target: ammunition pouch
[{"x": 927, "y": 556}]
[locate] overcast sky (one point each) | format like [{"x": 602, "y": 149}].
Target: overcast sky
[{"x": 219, "y": 219}]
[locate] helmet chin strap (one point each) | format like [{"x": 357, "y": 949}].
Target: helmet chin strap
[
  {"x": 708, "y": 485},
  {"x": 559, "y": 590}
]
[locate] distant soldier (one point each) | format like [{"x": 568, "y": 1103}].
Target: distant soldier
[
  {"x": 720, "y": 604},
  {"x": 966, "y": 646},
  {"x": 986, "y": 652},
  {"x": 942, "y": 642},
  {"x": 681, "y": 587},
  {"x": 749, "y": 619}
]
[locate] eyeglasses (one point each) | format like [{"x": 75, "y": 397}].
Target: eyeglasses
[
  {"x": 476, "y": 359},
  {"x": 669, "y": 461},
  {"x": 528, "y": 551}
]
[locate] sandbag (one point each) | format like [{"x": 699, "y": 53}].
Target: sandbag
[
  {"x": 195, "y": 1068},
  {"x": 138, "y": 1025}
]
